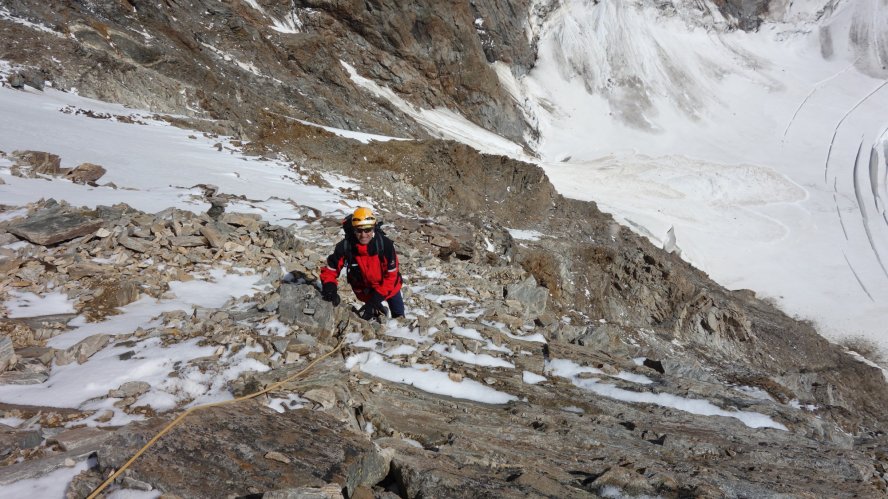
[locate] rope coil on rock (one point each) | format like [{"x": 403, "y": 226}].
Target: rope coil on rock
[{"x": 185, "y": 414}]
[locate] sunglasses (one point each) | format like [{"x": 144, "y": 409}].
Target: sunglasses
[{"x": 363, "y": 231}]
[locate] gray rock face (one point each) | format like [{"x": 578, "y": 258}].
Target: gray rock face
[
  {"x": 55, "y": 225},
  {"x": 12, "y": 439},
  {"x": 533, "y": 298},
  {"x": 301, "y": 305}
]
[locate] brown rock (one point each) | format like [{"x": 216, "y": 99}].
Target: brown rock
[
  {"x": 187, "y": 241},
  {"x": 29, "y": 164},
  {"x": 213, "y": 236},
  {"x": 248, "y": 220},
  {"x": 84, "y": 269},
  {"x": 114, "y": 294},
  {"x": 86, "y": 173},
  {"x": 9, "y": 261},
  {"x": 277, "y": 456},
  {"x": 135, "y": 244}
]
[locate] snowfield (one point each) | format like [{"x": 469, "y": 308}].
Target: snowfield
[{"x": 764, "y": 153}]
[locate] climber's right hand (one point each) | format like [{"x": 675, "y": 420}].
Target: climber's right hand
[{"x": 328, "y": 293}]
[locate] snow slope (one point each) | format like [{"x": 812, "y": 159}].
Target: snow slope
[{"x": 764, "y": 152}]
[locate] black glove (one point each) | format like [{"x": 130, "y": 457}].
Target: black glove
[
  {"x": 328, "y": 293},
  {"x": 367, "y": 312},
  {"x": 374, "y": 308},
  {"x": 376, "y": 299}
]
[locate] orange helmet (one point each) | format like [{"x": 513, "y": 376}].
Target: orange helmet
[{"x": 363, "y": 218}]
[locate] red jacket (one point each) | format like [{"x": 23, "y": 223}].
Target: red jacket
[{"x": 366, "y": 269}]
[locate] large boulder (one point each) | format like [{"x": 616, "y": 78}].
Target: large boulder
[
  {"x": 532, "y": 297},
  {"x": 301, "y": 305},
  {"x": 86, "y": 173}
]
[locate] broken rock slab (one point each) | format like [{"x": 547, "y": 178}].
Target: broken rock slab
[
  {"x": 55, "y": 225},
  {"x": 134, "y": 243},
  {"x": 78, "y": 437},
  {"x": 12, "y": 439},
  {"x": 83, "y": 350},
  {"x": 234, "y": 440},
  {"x": 130, "y": 389},
  {"x": 301, "y": 305}
]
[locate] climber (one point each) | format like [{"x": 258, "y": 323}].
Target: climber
[{"x": 371, "y": 267}]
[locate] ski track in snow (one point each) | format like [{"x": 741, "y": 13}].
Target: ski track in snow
[{"x": 861, "y": 206}]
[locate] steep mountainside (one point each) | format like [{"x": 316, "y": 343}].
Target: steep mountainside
[{"x": 228, "y": 60}]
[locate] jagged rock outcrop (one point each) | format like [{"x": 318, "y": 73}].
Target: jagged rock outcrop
[{"x": 231, "y": 60}]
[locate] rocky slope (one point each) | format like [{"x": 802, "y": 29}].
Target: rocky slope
[
  {"x": 640, "y": 322},
  {"x": 224, "y": 60},
  {"x": 646, "y": 331}
]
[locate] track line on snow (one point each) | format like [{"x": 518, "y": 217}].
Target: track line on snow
[
  {"x": 863, "y": 216},
  {"x": 851, "y": 267},
  {"x": 839, "y": 213},
  {"x": 816, "y": 88},
  {"x": 839, "y": 124}
]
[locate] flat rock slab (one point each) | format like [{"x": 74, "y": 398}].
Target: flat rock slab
[
  {"x": 222, "y": 452},
  {"x": 23, "y": 378},
  {"x": 54, "y": 226},
  {"x": 79, "y": 437}
]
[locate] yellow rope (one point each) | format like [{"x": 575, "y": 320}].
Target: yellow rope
[{"x": 185, "y": 414}]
